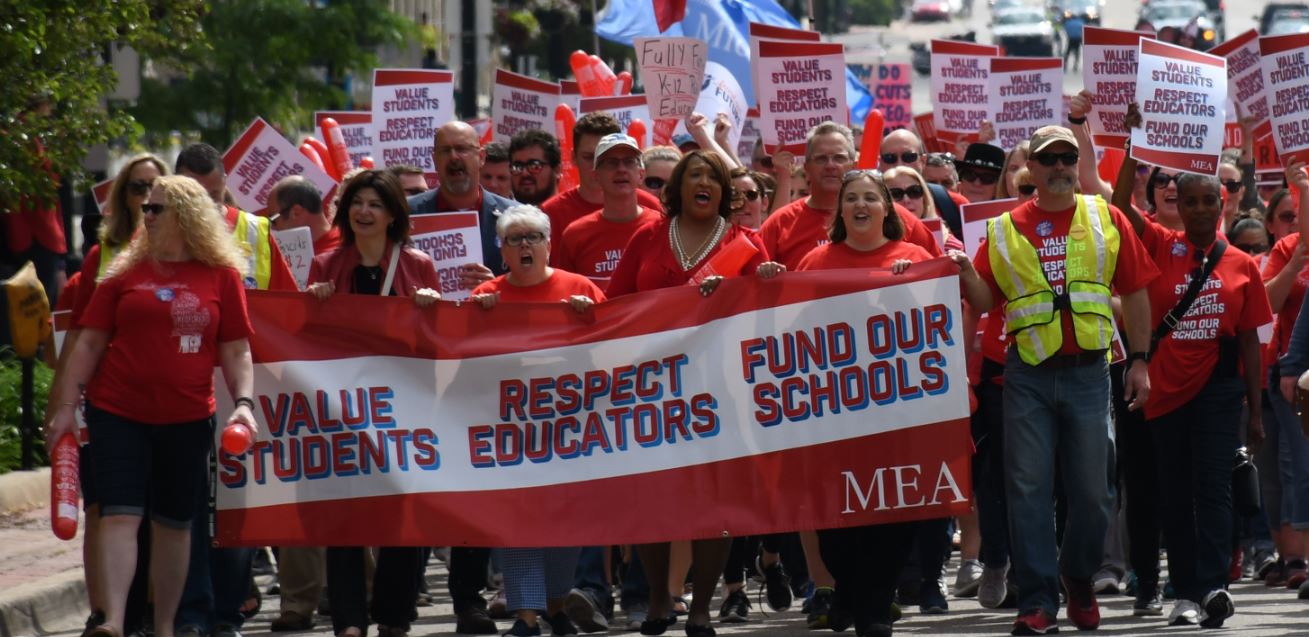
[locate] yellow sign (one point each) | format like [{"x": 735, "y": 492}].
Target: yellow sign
[{"x": 29, "y": 311}]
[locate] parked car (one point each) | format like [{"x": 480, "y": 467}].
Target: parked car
[
  {"x": 1186, "y": 16},
  {"x": 1023, "y": 31},
  {"x": 1291, "y": 13},
  {"x": 930, "y": 10},
  {"x": 1089, "y": 9}
]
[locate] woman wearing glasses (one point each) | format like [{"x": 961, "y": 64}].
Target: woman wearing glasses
[
  {"x": 659, "y": 162},
  {"x": 748, "y": 204}
]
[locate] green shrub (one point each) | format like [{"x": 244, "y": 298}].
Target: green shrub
[
  {"x": 873, "y": 12},
  {"x": 11, "y": 393}
]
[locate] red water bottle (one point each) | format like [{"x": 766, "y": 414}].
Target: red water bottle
[
  {"x": 63, "y": 488},
  {"x": 237, "y": 438}
]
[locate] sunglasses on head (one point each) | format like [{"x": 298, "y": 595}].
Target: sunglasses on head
[
  {"x": 907, "y": 157},
  {"x": 851, "y": 175},
  {"x": 1049, "y": 159},
  {"x": 1026, "y": 190},
  {"x": 912, "y": 192},
  {"x": 152, "y": 208},
  {"x": 986, "y": 178},
  {"x": 140, "y": 187},
  {"x": 655, "y": 183},
  {"x": 1232, "y": 186}
]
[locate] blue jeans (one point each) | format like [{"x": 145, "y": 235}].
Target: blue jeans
[
  {"x": 988, "y": 470},
  {"x": 217, "y": 580},
  {"x": 591, "y": 577},
  {"x": 1056, "y": 412},
  {"x": 1293, "y": 458}
]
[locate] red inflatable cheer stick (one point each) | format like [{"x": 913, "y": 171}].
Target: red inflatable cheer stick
[
  {"x": 63, "y": 488},
  {"x": 636, "y": 130},
  {"x": 604, "y": 76},
  {"x": 564, "y": 121},
  {"x": 585, "y": 74},
  {"x": 237, "y": 438},
  {"x": 663, "y": 131},
  {"x": 366, "y": 163},
  {"x": 311, "y": 154},
  {"x": 338, "y": 153},
  {"x": 872, "y": 141},
  {"x": 625, "y": 83},
  {"x": 325, "y": 158}
]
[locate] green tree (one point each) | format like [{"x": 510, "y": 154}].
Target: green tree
[
  {"x": 276, "y": 59},
  {"x": 51, "y": 53}
]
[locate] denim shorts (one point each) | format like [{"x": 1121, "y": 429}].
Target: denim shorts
[{"x": 135, "y": 464}]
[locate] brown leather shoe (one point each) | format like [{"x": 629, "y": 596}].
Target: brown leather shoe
[{"x": 290, "y": 620}]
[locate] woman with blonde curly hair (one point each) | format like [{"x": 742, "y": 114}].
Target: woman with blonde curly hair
[{"x": 169, "y": 309}]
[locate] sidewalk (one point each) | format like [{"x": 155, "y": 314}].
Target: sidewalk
[{"x": 41, "y": 586}]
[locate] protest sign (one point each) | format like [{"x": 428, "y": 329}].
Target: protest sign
[
  {"x": 975, "y": 217},
  {"x": 624, "y": 108},
  {"x": 1245, "y": 79},
  {"x": 749, "y": 134},
  {"x": 260, "y": 158},
  {"x": 408, "y": 106},
  {"x": 522, "y": 103},
  {"x": 892, "y": 88},
  {"x": 925, "y": 126},
  {"x": 100, "y": 192},
  {"x": 1285, "y": 60},
  {"x": 453, "y": 240},
  {"x": 960, "y": 72},
  {"x": 356, "y": 129},
  {"x": 1182, "y": 94},
  {"x": 758, "y": 32},
  {"x": 800, "y": 88},
  {"x": 1023, "y": 95},
  {"x": 843, "y": 393},
  {"x": 1266, "y": 159},
  {"x": 1109, "y": 73},
  {"x": 297, "y": 246},
  {"x": 672, "y": 72},
  {"x": 721, "y": 94}
]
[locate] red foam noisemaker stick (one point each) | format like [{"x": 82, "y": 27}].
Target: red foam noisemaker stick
[
  {"x": 64, "y": 487},
  {"x": 308, "y": 151},
  {"x": 603, "y": 75},
  {"x": 325, "y": 157},
  {"x": 338, "y": 153},
  {"x": 625, "y": 83},
  {"x": 872, "y": 141},
  {"x": 636, "y": 130},
  {"x": 366, "y": 162},
  {"x": 587, "y": 82},
  {"x": 564, "y": 121}
]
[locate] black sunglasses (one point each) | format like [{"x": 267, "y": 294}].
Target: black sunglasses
[
  {"x": 655, "y": 183},
  {"x": 532, "y": 165},
  {"x": 1162, "y": 180},
  {"x": 750, "y": 195},
  {"x": 912, "y": 192},
  {"x": 1049, "y": 159},
  {"x": 1232, "y": 186},
  {"x": 139, "y": 187},
  {"x": 152, "y": 208},
  {"x": 986, "y": 178},
  {"x": 907, "y": 157},
  {"x": 1026, "y": 190}
]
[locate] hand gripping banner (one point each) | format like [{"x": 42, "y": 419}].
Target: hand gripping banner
[{"x": 814, "y": 400}]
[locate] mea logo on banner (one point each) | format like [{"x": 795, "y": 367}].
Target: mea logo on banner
[
  {"x": 260, "y": 158},
  {"x": 960, "y": 76},
  {"x": 1285, "y": 64},
  {"x": 520, "y": 103},
  {"x": 853, "y": 385},
  {"x": 356, "y": 128},
  {"x": 408, "y": 106},
  {"x": 1183, "y": 96},
  {"x": 1109, "y": 73}
]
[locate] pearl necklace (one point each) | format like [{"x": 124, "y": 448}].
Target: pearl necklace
[{"x": 689, "y": 262}]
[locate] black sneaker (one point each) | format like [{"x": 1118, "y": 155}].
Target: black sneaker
[
  {"x": 95, "y": 619},
  {"x": 777, "y": 585},
  {"x": 820, "y": 606},
  {"x": 561, "y": 625},
  {"x": 1217, "y": 607},
  {"x": 931, "y": 601},
  {"x": 1149, "y": 603},
  {"x": 735, "y": 608},
  {"x": 521, "y": 629},
  {"x": 475, "y": 621}
]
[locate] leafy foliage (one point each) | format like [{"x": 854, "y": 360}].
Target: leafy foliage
[{"x": 11, "y": 387}]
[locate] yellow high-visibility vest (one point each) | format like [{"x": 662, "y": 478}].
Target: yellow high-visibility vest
[
  {"x": 107, "y": 254},
  {"x": 252, "y": 236}
]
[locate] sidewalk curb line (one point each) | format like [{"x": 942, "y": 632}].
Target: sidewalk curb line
[{"x": 56, "y": 604}]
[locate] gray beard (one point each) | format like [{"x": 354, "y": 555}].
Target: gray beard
[{"x": 1060, "y": 185}]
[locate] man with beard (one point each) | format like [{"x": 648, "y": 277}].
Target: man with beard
[
  {"x": 1051, "y": 266},
  {"x": 534, "y": 166}
]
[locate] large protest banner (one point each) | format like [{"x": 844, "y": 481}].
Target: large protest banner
[
  {"x": 260, "y": 158},
  {"x": 356, "y": 129},
  {"x": 892, "y": 88},
  {"x": 672, "y": 72},
  {"x": 1183, "y": 108},
  {"x": 799, "y": 89},
  {"x": 1023, "y": 95},
  {"x": 960, "y": 72},
  {"x": 408, "y": 106},
  {"x": 758, "y": 32},
  {"x": 520, "y": 103},
  {"x": 1286, "y": 77},
  {"x": 1109, "y": 73},
  {"x": 453, "y": 240},
  {"x": 1245, "y": 79},
  {"x": 624, "y": 108},
  {"x": 817, "y": 400}
]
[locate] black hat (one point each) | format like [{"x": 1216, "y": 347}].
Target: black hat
[{"x": 984, "y": 156}]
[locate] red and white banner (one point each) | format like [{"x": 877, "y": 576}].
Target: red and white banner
[
  {"x": 975, "y": 217},
  {"x": 801, "y": 86},
  {"x": 453, "y": 240},
  {"x": 760, "y": 32},
  {"x": 1245, "y": 79},
  {"x": 1024, "y": 94},
  {"x": 892, "y": 88},
  {"x": 1183, "y": 96},
  {"x": 408, "y": 106},
  {"x": 960, "y": 72},
  {"x": 672, "y": 71},
  {"x": 624, "y": 108},
  {"x": 259, "y": 159},
  {"x": 1109, "y": 72},
  {"x": 356, "y": 128},
  {"x": 817, "y": 400},
  {"x": 1286, "y": 77},
  {"x": 521, "y": 103}
]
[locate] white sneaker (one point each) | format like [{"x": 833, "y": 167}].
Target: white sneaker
[
  {"x": 992, "y": 587},
  {"x": 1216, "y": 609},
  {"x": 1185, "y": 613},
  {"x": 968, "y": 578},
  {"x": 1106, "y": 583}
]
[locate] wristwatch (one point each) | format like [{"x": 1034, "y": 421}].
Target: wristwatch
[{"x": 1138, "y": 356}]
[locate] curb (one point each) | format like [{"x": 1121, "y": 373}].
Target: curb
[
  {"x": 54, "y": 605},
  {"x": 24, "y": 490}
]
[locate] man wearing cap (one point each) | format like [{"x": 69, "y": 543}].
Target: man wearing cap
[
  {"x": 1051, "y": 266},
  {"x": 592, "y": 245},
  {"x": 979, "y": 170}
]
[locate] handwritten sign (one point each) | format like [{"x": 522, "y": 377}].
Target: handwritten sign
[
  {"x": 1245, "y": 79},
  {"x": 521, "y": 103},
  {"x": 1286, "y": 75},
  {"x": 721, "y": 93},
  {"x": 297, "y": 246},
  {"x": 1109, "y": 72},
  {"x": 1024, "y": 94},
  {"x": 672, "y": 71},
  {"x": 801, "y": 86},
  {"x": 976, "y": 215},
  {"x": 1183, "y": 94},
  {"x": 624, "y": 108},
  {"x": 408, "y": 106},
  {"x": 356, "y": 128},
  {"x": 960, "y": 75},
  {"x": 259, "y": 159},
  {"x": 453, "y": 240},
  {"x": 892, "y": 88}
]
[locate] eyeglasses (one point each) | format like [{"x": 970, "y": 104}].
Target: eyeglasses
[
  {"x": 462, "y": 151},
  {"x": 912, "y": 192},
  {"x": 614, "y": 163},
  {"x": 840, "y": 159},
  {"x": 1232, "y": 186},
  {"x": 1026, "y": 190},
  {"x": 940, "y": 159},
  {"x": 533, "y": 166},
  {"x": 750, "y": 195},
  {"x": 1162, "y": 180},
  {"x": 158, "y": 209},
  {"x": 655, "y": 183},
  {"x": 1049, "y": 159},
  {"x": 528, "y": 238},
  {"x": 986, "y": 178},
  {"x": 907, "y": 157},
  {"x": 140, "y": 187}
]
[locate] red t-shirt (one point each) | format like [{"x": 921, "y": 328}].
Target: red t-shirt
[
  {"x": 90, "y": 269},
  {"x": 68, "y": 295},
  {"x": 568, "y": 206},
  {"x": 328, "y": 242},
  {"x": 648, "y": 262},
  {"x": 593, "y": 245},
  {"x": 1133, "y": 271},
  {"x": 1232, "y": 300},
  {"x": 795, "y": 229},
  {"x": 164, "y": 323},
  {"x": 559, "y": 286},
  {"x": 1278, "y": 257},
  {"x": 835, "y": 256}
]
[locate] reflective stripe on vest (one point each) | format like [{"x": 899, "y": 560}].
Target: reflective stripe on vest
[
  {"x": 1032, "y": 309},
  {"x": 107, "y": 255},
  {"x": 252, "y": 236}
]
